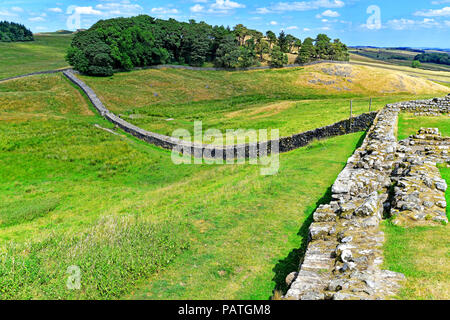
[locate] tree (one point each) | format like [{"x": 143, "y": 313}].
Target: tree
[
  {"x": 298, "y": 44},
  {"x": 322, "y": 46},
  {"x": 10, "y": 31},
  {"x": 241, "y": 32},
  {"x": 338, "y": 51},
  {"x": 278, "y": 57},
  {"x": 262, "y": 47},
  {"x": 271, "y": 37},
  {"x": 307, "y": 52},
  {"x": 283, "y": 42},
  {"x": 416, "y": 64},
  {"x": 228, "y": 53}
]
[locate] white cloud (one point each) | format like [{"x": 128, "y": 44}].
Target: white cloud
[
  {"x": 302, "y": 6},
  {"x": 83, "y": 10},
  {"x": 440, "y": 2},
  {"x": 444, "y": 12},
  {"x": 197, "y": 8},
  {"x": 217, "y": 7},
  {"x": 330, "y": 13},
  {"x": 36, "y": 19},
  {"x": 306, "y": 29},
  {"x": 6, "y": 13},
  {"x": 409, "y": 24},
  {"x": 292, "y": 28},
  {"x": 225, "y": 5},
  {"x": 273, "y": 23},
  {"x": 57, "y": 10},
  {"x": 17, "y": 9},
  {"x": 162, "y": 10},
  {"x": 262, "y": 10},
  {"x": 124, "y": 8}
]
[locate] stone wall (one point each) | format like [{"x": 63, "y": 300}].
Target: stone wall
[
  {"x": 35, "y": 73},
  {"x": 382, "y": 177},
  {"x": 356, "y": 124}
]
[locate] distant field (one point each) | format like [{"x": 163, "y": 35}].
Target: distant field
[
  {"x": 47, "y": 52},
  {"x": 191, "y": 231},
  {"x": 292, "y": 100},
  {"x": 396, "y": 57}
]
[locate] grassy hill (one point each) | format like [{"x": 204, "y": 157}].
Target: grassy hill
[
  {"x": 74, "y": 190},
  {"x": 396, "y": 57},
  {"x": 47, "y": 52},
  {"x": 63, "y": 177},
  {"x": 292, "y": 100}
]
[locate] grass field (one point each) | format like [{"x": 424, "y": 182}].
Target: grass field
[
  {"x": 47, "y": 52},
  {"x": 396, "y": 57},
  {"x": 139, "y": 226},
  {"x": 438, "y": 76},
  {"x": 292, "y": 100},
  {"x": 422, "y": 254},
  {"x": 172, "y": 231}
]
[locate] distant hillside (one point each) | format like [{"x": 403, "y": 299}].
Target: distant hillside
[
  {"x": 12, "y": 32},
  {"x": 404, "y": 56}
]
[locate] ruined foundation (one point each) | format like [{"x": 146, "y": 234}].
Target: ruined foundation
[{"x": 383, "y": 178}]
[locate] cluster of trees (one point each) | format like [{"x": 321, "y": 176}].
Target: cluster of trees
[
  {"x": 440, "y": 58},
  {"x": 10, "y": 31},
  {"x": 125, "y": 43},
  {"x": 322, "y": 48}
]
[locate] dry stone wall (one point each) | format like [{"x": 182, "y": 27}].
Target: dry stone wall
[
  {"x": 356, "y": 124},
  {"x": 344, "y": 255}
]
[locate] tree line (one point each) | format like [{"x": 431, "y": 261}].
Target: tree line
[
  {"x": 440, "y": 58},
  {"x": 11, "y": 32},
  {"x": 126, "y": 43}
]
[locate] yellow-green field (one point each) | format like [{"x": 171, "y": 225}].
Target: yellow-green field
[
  {"x": 47, "y": 52},
  {"x": 291, "y": 100},
  {"x": 75, "y": 190},
  {"x": 213, "y": 231}
]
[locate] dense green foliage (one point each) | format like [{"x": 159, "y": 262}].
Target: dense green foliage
[
  {"x": 322, "y": 48},
  {"x": 416, "y": 64},
  {"x": 10, "y": 32},
  {"x": 439, "y": 58},
  {"x": 126, "y": 43}
]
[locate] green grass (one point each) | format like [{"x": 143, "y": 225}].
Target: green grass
[
  {"x": 220, "y": 231},
  {"x": 421, "y": 253},
  {"x": 164, "y": 100},
  {"x": 409, "y": 124},
  {"x": 47, "y": 52}
]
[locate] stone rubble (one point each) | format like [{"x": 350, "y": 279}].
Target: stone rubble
[{"x": 383, "y": 177}]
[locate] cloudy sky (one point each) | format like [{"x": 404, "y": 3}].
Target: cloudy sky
[{"x": 416, "y": 23}]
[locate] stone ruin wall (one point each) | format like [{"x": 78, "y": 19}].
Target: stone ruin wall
[{"x": 382, "y": 178}]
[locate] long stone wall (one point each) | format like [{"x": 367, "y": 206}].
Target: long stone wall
[
  {"x": 382, "y": 177},
  {"x": 35, "y": 73},
  {"x": 356, "y": 124}
]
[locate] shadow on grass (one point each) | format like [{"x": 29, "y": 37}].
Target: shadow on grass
[
  {"x": 292, "y": 262},
  {"x": 294, "y": 259}
]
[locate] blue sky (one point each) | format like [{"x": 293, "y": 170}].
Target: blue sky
[{"x": 416, "y": 23}]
